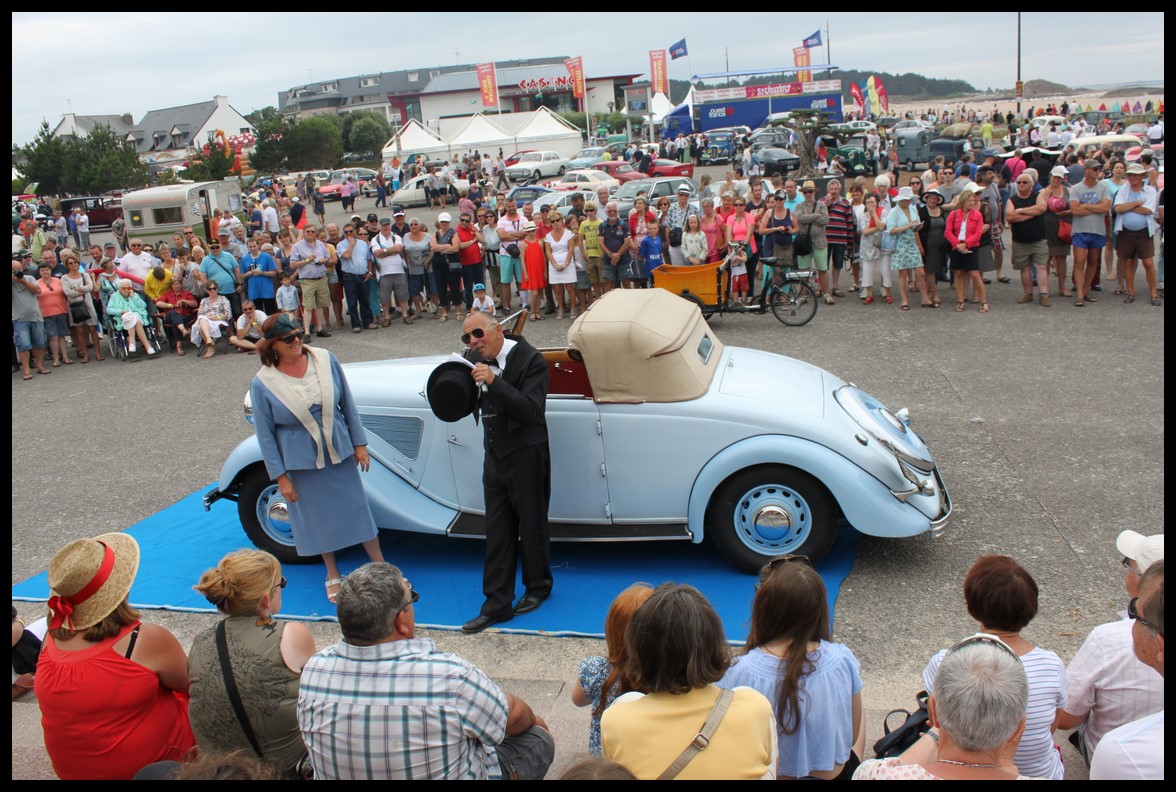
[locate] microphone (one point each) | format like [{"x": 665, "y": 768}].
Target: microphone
[{"x": 468, "y": 354}]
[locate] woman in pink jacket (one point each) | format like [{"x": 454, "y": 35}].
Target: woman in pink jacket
[{"x": 965, "y": 227}]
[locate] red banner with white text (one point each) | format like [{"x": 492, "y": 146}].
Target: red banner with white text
[
  {"x": 488, "y": 83},
  {"x": 658, "y": 77},
  {"x": 575, "y": 67},
  {"x": 883, "y": 99}
]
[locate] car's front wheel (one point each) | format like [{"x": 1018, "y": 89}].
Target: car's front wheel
[
  {"x": 562, "y": 171},
  {"x": 771, "y": 510},
  {"x": 264, "y": 516}
]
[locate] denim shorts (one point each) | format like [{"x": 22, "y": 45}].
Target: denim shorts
[
  {"x": 28, "y": 335},
  {"x": 526, "y": 756}
]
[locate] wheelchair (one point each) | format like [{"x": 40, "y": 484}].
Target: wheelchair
[{"x": 118, "y": 341}]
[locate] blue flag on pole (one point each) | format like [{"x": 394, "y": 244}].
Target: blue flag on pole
[
  {"x": 678, "y": 50},
  {"x": 814, "y": 40}
]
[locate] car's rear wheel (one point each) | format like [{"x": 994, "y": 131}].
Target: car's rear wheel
[
  {"x": 562, "y": 171},
  {"x": 771, "y": 510},
  {"x": 910, "y": 166},
  {"x": 264, "y": 516}
]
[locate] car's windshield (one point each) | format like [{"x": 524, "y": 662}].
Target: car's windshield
[
  {"x": 630, "y": 190},
  {"x": 534, "y": 156},
  {"x": 588, "y": 152}
]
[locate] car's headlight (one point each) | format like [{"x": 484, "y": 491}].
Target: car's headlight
[{"x": 890, "y": 430}]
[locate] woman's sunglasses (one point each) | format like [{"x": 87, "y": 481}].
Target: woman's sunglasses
[{"x": 290, "y": 339}]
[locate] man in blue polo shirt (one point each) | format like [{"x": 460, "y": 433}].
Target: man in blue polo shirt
[{"x": 222, "y": 267}]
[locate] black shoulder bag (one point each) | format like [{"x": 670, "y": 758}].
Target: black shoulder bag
[{"x": 895, "y": 742}]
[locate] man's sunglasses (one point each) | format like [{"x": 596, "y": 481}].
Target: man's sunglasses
[{"x": 477, "y": 332}]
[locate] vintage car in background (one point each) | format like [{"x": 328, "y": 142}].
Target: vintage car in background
[
  {"x": 101, "y": 209},
  {"x": 333, "y": 189},
  {"x": 620, "y": 170},
  {"x": 720, "y": 148},
  {"x": 855, "y": 154},
  {"x": 773, "y": 159},
  {"x": 527, "y": 192},
  {"x": 536, "y": 165},
  {"x": 668, "y": 167},
  {"x": 658, "y": 432},
  {"x": 585, "y": 179},
  {"x": 561, "y": 200},
  {"x": 412, "y": 192},
  {"x": 652, "y": 189}
]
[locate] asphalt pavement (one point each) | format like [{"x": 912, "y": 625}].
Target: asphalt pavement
[{"x": 1047, "y": 424}]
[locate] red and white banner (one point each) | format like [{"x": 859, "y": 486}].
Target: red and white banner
[
  {"x": 658, "y": 77},
  {"x": 575, "y": 67},
  {"x": 883, "y": 99},
  {"x": 856, "y": 93},
  {"x": 488, "y": 83},
  {"x": 800, "y": 57},
  {"x": 709, "y": 95}
]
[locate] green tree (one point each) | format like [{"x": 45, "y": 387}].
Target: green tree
[
  {"x": 368, "y": 134},
  {"x": 369, "y": 117},
  {"x": 43, "y": 160},
  {"x": 269, "y": 153},
  {"x": 314, "y": 141},
  {"x": 101, "y": 161}
]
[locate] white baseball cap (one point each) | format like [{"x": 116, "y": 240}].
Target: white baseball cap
[{"x": 1143, "y": 550}]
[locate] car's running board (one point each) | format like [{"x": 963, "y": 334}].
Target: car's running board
[{"x": 474, "y": 525}]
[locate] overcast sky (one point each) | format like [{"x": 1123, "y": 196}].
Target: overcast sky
[{"x": 103, "y": 63}]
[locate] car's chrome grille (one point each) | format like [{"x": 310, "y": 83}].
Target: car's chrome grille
[{"x": 400, "y": 432}]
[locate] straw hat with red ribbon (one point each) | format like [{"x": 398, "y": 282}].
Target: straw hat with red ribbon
[{"x": 90, "y": 578}]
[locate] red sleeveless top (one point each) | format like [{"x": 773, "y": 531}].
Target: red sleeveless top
[{"x": 105, "y": 716}]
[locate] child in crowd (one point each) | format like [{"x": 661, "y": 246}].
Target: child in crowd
[
  {"x": 602, "y": 679},
  {"x": 580, "y": 262},
  {"x": 739, "y": 285},
  {"x": 481, "y": 301},
  {"x": 288, "y": 297},
  {"x": 651, "y": 251}
]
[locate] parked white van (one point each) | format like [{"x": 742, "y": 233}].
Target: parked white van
[{"x": 156, "y": 213}]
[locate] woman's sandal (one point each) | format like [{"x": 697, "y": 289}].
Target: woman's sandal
[
  {"x": 927, "y": 305},
  {"x": 906, "y": 306},
  {"x": 333, "y": 583},
  {"x": 983, "y": 308},
  {"x": 960, "y": 305}
]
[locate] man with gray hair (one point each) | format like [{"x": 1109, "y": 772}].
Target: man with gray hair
[
  {"x": 1135, "y": 751},
  {"x": 384, "y": 704},
  {"x": 1108, "y": 685}
]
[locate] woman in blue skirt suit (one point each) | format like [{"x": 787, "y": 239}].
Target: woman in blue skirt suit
[{"x": 312, "y": 453}]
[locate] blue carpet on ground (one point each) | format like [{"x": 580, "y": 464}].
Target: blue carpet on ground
[{"x": 183, "y": 540}]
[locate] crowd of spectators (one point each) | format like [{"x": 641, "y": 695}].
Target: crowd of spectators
[{"x": 255, "y": 697}]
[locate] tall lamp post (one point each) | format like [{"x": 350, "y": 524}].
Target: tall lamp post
[{"x": 1020, "y": 85}]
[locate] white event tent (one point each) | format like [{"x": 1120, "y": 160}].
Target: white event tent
[{"x": 536, "y": 130}]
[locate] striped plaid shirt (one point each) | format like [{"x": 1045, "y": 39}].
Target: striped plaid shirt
[
  {"x": 841, "y": 222},
  {"x": 400, "y": 710}
]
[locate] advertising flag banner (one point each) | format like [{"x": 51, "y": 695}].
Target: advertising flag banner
[
  {"x": 814, "y": 40},
  {"x": 883, "y": 99},
  {"x": 856, "y": 93},
  {"x": 678, "y": 50},
  {"x": 575, "y": 67},
  {"x": 659, "y": 79},
  {"x": 872, "y": 90},
  {"x": 488, "y": 83},
  {"x": 800, "y": 57}
]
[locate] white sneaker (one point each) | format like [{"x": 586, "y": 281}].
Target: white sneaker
[
  {"x": 150, "y": 350},
  {"x": 131, "y": 347}
]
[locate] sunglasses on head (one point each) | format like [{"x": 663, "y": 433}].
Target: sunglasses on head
[
  {"x": 983, "y": 638},
  {"x": 477, "y": 332},
  {"x": 290, "y": 339}
]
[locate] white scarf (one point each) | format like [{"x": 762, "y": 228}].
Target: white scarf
[{"x": 277, "y": 384}]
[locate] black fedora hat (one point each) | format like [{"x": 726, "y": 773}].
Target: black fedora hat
[{"x": 451, "y": 391}]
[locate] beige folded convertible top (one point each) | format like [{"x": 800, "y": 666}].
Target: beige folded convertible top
[{"x": 645, "y": 345}]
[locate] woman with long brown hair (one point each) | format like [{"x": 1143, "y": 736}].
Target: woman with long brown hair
[
  {"x": 302, "y": 391},
  {"x": 815, "y": 685},
  {"x": 602, "y": 679}
]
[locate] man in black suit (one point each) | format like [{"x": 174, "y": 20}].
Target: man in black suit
[{"x": 517, "y": 473}]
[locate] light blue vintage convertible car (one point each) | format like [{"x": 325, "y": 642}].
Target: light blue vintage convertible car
[{"x": 658, "y": 432}]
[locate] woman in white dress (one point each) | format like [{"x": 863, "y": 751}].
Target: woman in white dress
[{"x": 561, "y": 274}]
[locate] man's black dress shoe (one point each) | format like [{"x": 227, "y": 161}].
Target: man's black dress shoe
[
  {"x": 528, "y": 603},
  {"x": 482, "y": 621}
]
